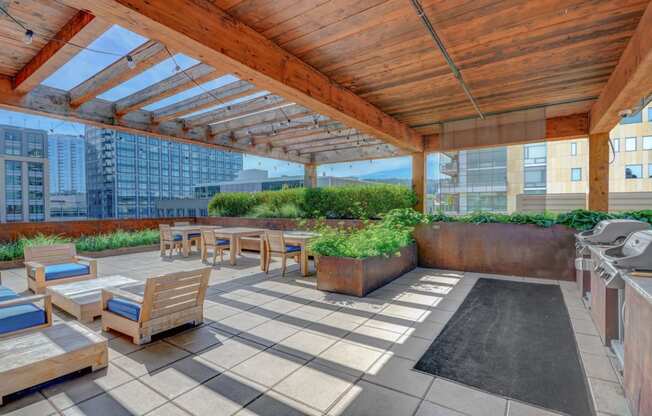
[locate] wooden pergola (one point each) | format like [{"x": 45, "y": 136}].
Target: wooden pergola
[{"x": 343, "y": 80}]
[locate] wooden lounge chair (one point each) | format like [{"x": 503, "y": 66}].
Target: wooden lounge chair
[
  {"x": 217, "y": 245},
  {"x": 55, "y": 265},
  {"x": 168, "y": 240},
  {"x": 21, "y": 314},
  {"x": 275, "y": 245},
  {"x": 167, "y": 302}
]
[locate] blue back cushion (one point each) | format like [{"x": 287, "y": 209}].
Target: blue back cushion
[
  {"x": 60, "y": 271},
  {"x": 7, "y": 294},
  {"x": 130, "y": 310},
  {"x": 194, "y": 235},
  {"x": 221, "y": 242},
  {"x": 291, "y": 249},
  {"x": 19, "y": 317}
]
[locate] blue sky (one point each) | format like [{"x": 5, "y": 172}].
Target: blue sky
[{"x": 117, "y": 42}]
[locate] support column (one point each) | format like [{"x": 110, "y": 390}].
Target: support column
[
  {"x": 419, "y": 180},
  {"x": 310, "y": 176},
  {"x": 599, "y": 172}
]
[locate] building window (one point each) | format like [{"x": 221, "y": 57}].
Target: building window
[
  {"x": 649, "y": 114},
  {"x": 13, "y": 192},
  {"x": 633, "y": 119},
  {"x": 616, "y": 143},
  {"x": 534, "y": 154},
  {"x": 647, "y": 143},
  {"x": 487, "y": 201},
  {"x": 649, "y": 170},
  {"x": 534, "y": 177},
  {"x": 630, "y": 144},
  {"x": 12, "y": 143},
  {"x": 576, "y": 174},
  {"x": 35, "y": 145},
  {"x": 573, "y": 149},
  {"x": 633, "y": 171}
]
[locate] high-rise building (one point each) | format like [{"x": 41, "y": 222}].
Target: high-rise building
[
  {"x": 126, "y": 174},
  {"x": 23, "y": 174},
  {"x": 67, "y": 167},
  {"x": 550, "y": 176}
]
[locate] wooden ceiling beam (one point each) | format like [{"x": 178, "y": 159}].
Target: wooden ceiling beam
[
  {"x": 82, "y": 29},
  {"x": 52, "y": 102},
  {"x": 274, "y": 116},
  {"x": 144, "y": 57},
  {"x": 216, "y": 96},
  {"x": 239, "y": 110},
  {"x": 630, "y": 82},
  {"x": 181, "y": 81},
  {"x": 316, "y": 148},
  {"x": 371, "y": 152},
  {"x": 201, "y": 29}
]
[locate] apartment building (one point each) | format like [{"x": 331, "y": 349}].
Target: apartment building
[
  {"x": 127, "y": 174},
  {"x": 23, "y": 175}
]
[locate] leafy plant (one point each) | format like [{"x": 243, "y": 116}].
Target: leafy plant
[
  {"x": 288, "y": 210},
  {"x": 117, "y": 239}
]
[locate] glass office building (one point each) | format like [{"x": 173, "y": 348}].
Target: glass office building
[
  {"x": 126, "y": 174},
  {"x": 23, "y": 174}
]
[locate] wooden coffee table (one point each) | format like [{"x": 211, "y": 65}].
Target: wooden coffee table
[
  {"x": 32, "y": 358},
  {"x": 83, "y": 299}
]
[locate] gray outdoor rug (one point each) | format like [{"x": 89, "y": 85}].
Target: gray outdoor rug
[{"x": 513, "y": 339}]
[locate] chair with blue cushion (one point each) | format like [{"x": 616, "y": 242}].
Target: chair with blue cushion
[
  {"x": 56, "y": 264},
  {"x": 216, "y": 244},
  {"x": 275, "y": 245},
  {"x": 169, "y": 240},
  {"x": 167, "y": 301},
  {"x": 21, "y": 314}
]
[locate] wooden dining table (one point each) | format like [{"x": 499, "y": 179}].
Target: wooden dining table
[
  {"x": 185, "y": 231},
  {"x": 295, "y": 238},
  {"x": 234, "y": 234}
]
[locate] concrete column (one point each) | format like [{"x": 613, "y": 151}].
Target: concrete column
[
  {"x": 419, "y": 180},
  {"x": 599, "y": 172},
  {"x": 310, "y": 176}
]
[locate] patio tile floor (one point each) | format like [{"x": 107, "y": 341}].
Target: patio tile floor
[{"x": 273, "y": 345}]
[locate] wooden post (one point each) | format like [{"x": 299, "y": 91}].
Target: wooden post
[
  {"x": 419, "y": 179},
  {"x": 599, "y": 172},
  {"x": 310, "y": 176}
]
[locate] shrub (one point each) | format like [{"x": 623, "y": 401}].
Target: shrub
[
  {"x": 117, "y": 239},
  {"x": 288, "y": 210},
  {"x": 346, "y": 202}
]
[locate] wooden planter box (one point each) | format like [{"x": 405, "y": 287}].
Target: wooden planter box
[
  {"x": 509, "y": 249},
  {"x": 358, "y": 277},
  {"x": 11, "y": 264},
  {"x": 119, "y": 251}
]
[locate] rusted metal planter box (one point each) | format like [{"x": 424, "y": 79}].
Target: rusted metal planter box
[
  {"x": 509, "y": 249},
  {"x": 358, "y": 277}
]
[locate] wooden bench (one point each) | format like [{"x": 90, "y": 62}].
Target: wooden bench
[
  {"x": 56, "y": 264},
  {"x": 33, "y": 358},
  {"x": 166, "y": 302}
]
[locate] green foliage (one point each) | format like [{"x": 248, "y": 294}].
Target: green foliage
[
  {"x": 14, "y": 250},
  {"x": 582, "y": 219},
  {"x": 385, "y": 237},
  {"x": 346, "y": 202},
  {"x": 117, "y": 239}
]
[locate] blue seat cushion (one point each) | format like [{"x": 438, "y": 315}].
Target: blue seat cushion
[
  {"x": 221, "y": 242},
  {"x": 194, "y": 235},
  {"x": 177, "y": 237},
  {"x": 125, "y": 308},
  {"x": 60, "y": 271},
  {"x": 7, "y": 294},
  {"x": 291, "y": 249},
  {"x": 19, "y": 317}
]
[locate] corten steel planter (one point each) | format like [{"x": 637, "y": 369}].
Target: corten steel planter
[
  {"x": 120, "y": 251},
  {"x": 509, "y": 249},
  {"x": 11, "y": 264},
  {"x": 358, "y": 277}
]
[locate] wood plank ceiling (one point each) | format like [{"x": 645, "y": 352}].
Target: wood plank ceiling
[{"x": 513, "y": 54}]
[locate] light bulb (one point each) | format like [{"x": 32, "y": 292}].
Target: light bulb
[
  {"x": 130, "y": 62},
  {"x": 177, "y": 68},
  {"x": 29, "y": 35}
]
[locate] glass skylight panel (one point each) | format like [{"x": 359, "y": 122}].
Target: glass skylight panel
[
  {"x": 227, "y": 103},
  {"x": 207, "y": 86},
  {"x": 151, "y": 76},
  {"x": 116, "y": 40}
]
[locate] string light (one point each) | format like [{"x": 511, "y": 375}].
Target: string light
[
  {"x": 130, "y": 62},
  {"x": 27, "y": 38}
]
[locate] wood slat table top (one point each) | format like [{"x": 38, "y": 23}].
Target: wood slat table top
[
  {"x": 190, "y": 228},
  {"x": 241, "y": 231},
  {"x": 59, "y": 339},
  {"x": 89, "y": 291}
]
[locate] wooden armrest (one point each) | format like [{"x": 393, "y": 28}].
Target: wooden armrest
[
  {"x": 119, "y": 293},
  {"x": 24, "y": 300},
  {"x": 34, "y": 265},
  {"x": 86, "y": 259}
]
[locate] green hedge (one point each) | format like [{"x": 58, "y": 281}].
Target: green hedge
[
  {"x": 118, "y": 239},
  {"x": 346, "y": 202}
]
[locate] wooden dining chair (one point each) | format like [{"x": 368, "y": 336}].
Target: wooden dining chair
[
  {"x": 167, "y": 239},
  {"x": 210, "y": 240},
  {"x": 275, "y": 245}
]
